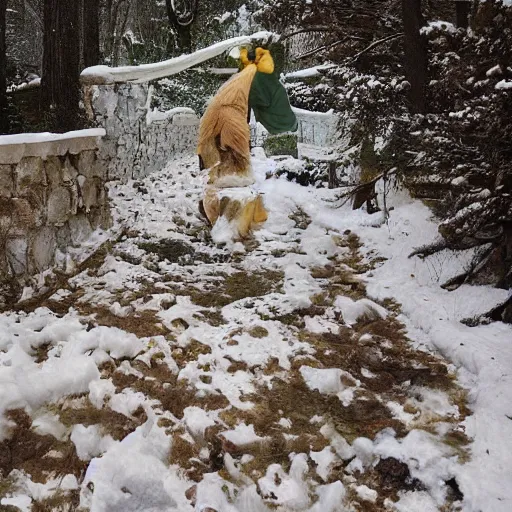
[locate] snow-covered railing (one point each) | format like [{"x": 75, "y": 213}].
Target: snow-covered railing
[{"x": 145, "y": 72}]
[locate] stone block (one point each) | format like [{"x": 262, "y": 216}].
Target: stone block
[
  {"x": 52, "y": 167},
  {"x": 17, "y": 216},
  {"x": 30, "y": 175},
  {"x": 80, "y": 229},
  {"x": 69, "y": 173},
  {"x": 92, "y": 193},
  {"x": 59, "y": 205},
  {"x": 11, "y": 153},
  {"x": 100, "y": 218},
  {"x": 185, "y": 120},
  {"x": 63, "y": 237},
  {"x": 105, "y": 101},
  {"x": 6, "y": 181},
  {"x": 42, "y": 249},
  {"x": 87, "y": 164},
  {"x": 16, "y": 253}
]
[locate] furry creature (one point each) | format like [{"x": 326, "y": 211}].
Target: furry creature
[
  {"x": 224, "y": 147},
  {"x": 224, "y": 134}
]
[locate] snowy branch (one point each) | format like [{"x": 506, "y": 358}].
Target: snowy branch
[{"x": 146, "y": 72}]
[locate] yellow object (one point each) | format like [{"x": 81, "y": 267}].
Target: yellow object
[
  {"x": 243, "y": 57},
  {"x": 243, "y": 212},
  {"x": 264, "y": 61}
]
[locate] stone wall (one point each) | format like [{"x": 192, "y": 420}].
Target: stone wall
[
  {"x": 138, "y": 142},
  {"x": 52, "y": 196}
]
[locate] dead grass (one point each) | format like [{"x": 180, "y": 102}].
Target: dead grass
[
  {"x": 111, "y": 422},
  {"x": 301, "y": 218},
  {"x": 59, "y": 502},
  {"x": 28, "y": 451},
  {"x": 141, "y": 323},
  {"x": 237, "y": 286}
]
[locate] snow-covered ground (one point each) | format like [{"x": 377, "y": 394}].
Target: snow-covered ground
[{"x": 313, "y": 368}]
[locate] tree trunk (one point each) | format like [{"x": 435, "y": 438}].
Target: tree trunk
[
  {"x": 415, "y": 49},
  {"x": 462, "y": 11},
  {"x": 91, "y": 29},
  {"x": 182, "y": 27},
  {"x": 60, "y": 88},
  {"x": 4, "y": 120}
]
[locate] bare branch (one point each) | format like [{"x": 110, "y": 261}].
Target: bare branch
[
  {"x": 328, "y": 47},
  {"x": 377, "y": 43},
  {"x": 305, "y": 30}
]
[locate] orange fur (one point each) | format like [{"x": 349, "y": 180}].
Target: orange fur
[{"x": 224, "y": 134}]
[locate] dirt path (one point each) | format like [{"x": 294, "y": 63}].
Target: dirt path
[{"x": 266, "y": 373}]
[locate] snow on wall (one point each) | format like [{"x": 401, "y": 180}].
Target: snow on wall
[
  {"x": 52, "y": 197},
  {"x": 138, "y": 141}
]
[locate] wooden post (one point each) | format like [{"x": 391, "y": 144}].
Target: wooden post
[{"x": 462, "y": 10}]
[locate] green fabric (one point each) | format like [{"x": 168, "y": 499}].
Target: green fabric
[{"x": 269, "y": 101}]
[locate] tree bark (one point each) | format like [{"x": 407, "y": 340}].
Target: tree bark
[
  {"x": 415, "y": 49},
  {"x": 462, "y": 11},
  {"x": 4, "y": 120},
  {"x": 182, "y": 25},
  {"x": 60, "y": 87}
]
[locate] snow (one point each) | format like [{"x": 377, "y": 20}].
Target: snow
[
  {"x": 147, "y": 72},
  {"x": 36, "y": 138},
  {"x": 242, "y": 434},
  {"x": 89, "y": 442},
  {"x": 504, "y": 85},
  {"x": 324, "y": 461},
  {"x": 366, "y": 494},
  {"x": 197, "y": 420},
  {"x": 142, "y": 472},
  {"x": 327, "y": 381},
  {"x": 352, "y": 311},
  {"x": 308, "y": 72},
  {"x": 438, "y": 25}
]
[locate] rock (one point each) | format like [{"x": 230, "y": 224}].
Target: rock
[
  {"x": 6, "y": 181},
  {"x": 92, "y": 193},
  {"x": 59, "y": 205},
  {"x": 42, "y": 250},
  {"x": 30, "y": 175},
  {"x": 80, "y": 229},
  {"x": 191, "y": 495},
  {"x": 16, "y": 252}
]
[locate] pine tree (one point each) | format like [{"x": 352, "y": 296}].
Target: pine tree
[
  {"x": 4, "y": 120},
  {"x": 91, "y": 32},
  {"x": 60, "y": 94}
]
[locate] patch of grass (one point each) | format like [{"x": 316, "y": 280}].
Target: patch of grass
[
  {"x": 172, "y": 250},
  {"x": 141, "y": 323},
  {"x": 236, "y": 286},
  {"x": 301, "y": 218},
  {"x": 258, "y": 331},
  {"x": 59, "y": 502},
  {"x": 111, "y": 422},
  {"x": 28, "y": 451}
]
